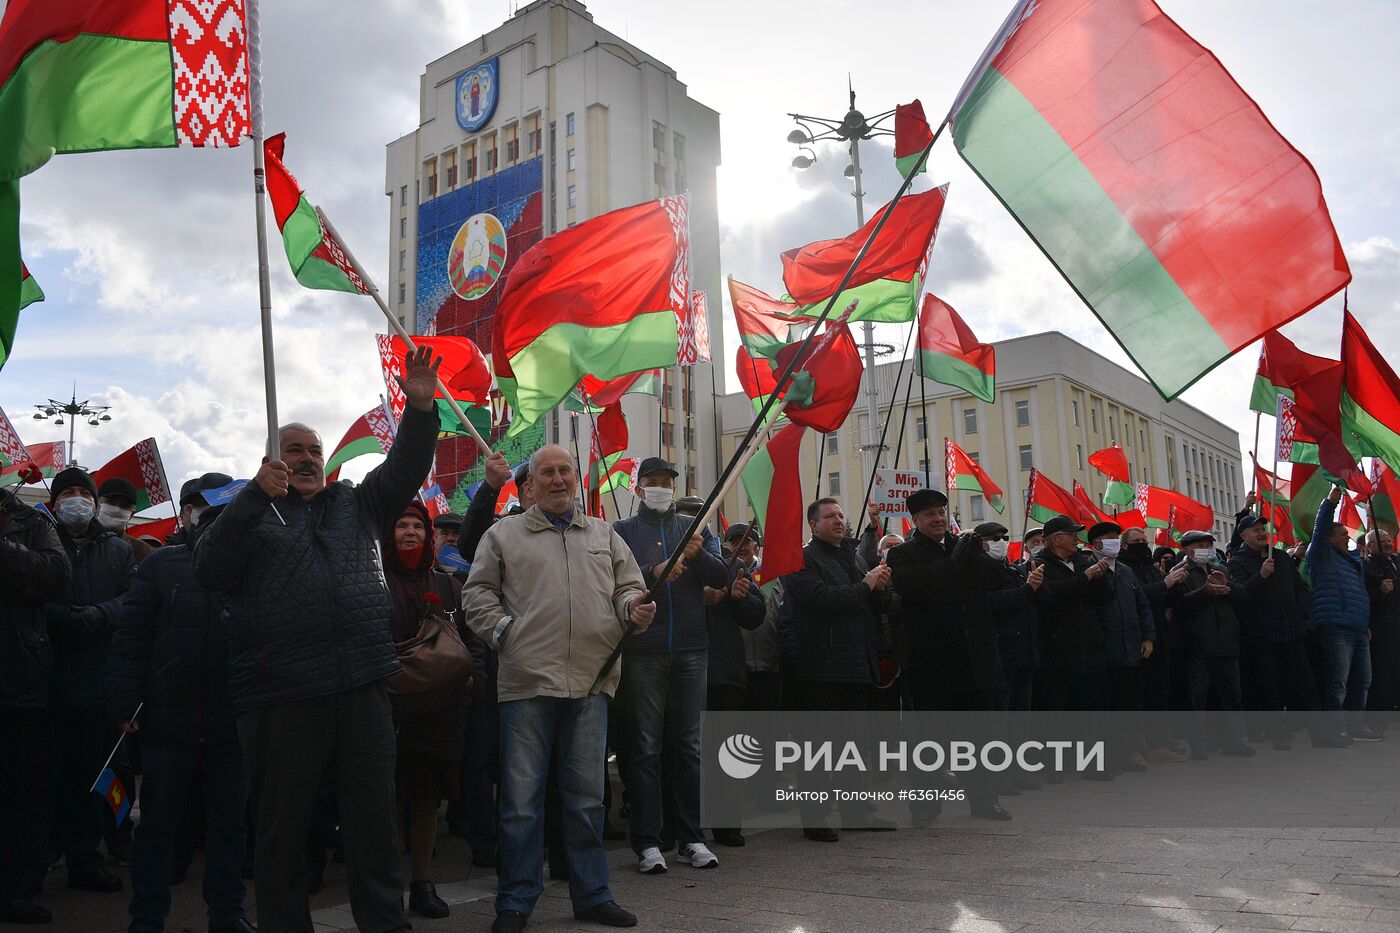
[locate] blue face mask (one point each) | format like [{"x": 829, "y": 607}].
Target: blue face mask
[{"x": 75, "y": 511}]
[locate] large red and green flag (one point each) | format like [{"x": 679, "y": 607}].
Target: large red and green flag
[
  {"x": 888, "y": 280},
  {"x": 12, "y": 452},
  {"x": 1167, "y": 508},
  {"x": 911, "y": 137},
  {"x": 1270, "y": 487},
  {"x": 610, "y": 439},
  {"x": 371, "y": 433},
  {"x": 45, "y": 459},
  {"x": 601, "y": 298},
  {"x": 317, "y": 258},
  {"x": 1309, "y": 484},
  {"x": 1127, "y": 518},
  {"x": 593, "y": 394},
  {"x": 967, "y": 474},
  {"x": 1370, "y": 402},
  {"x": 821, "y": 393},
  {"x": 1385, "y": 500},
  {"x": 1152, "y": 181},
  {"x": 463, "y": 370},
  {"x": 756, "y": 376},
  {"x": 1282, "y": 368},
  {"x": 1113, "y": 463},
  {"x": 142, "y": 467},
  {"x": 766, "y": 324},
  {"x": 949, "y": 352},
  {"x": 1086, "y": 502},
  {"x": 29, "y": 292},
  {"x": 773, "y": 484},
  {"x": 1045, "y": 499},
  {"x": 621, "y": 475}
]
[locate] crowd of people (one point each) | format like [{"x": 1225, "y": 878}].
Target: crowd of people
[{"x": 300, "y": 671}]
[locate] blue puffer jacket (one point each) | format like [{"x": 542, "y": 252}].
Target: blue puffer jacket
[
  {"x": 1339, "y": 585},
  {"x": 680, "y": 604}
]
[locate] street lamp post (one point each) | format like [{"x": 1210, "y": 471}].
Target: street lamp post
[
  {"x": 851, "y": 129},
  {"x": 73, "y": 410}
]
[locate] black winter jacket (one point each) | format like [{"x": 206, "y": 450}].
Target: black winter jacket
[
  {"x": 308, "y": 606},
  {"x": 170, "y": 651},
  {"x": 1385, "y": 607},
  {"x": 1210, "y": 625},
  {"x": 33, "y": 567},
  {"x": 1126, "y": 620},
  {"x": 680, "y": 605},
  {"x": 1277, "y": 606},
  {"x": 833, "y": 634},
  {"x": 80, "y": 619},
  {"x": 1016, "y": 609},
  {"x": 1154, "y": 587},
  {"x": 1071, "y": 639},
  {"x": 727, "y": 620}
]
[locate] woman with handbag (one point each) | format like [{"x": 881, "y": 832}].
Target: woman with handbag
[{"x": 443, "y": 671}]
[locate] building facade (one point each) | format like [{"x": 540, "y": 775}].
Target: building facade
[
  {"x": 1057, "y": 402},
  {"x": 539, "y": 124}
]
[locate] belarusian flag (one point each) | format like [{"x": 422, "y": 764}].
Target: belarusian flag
[
  {"x": 1370, "y": 402},
  {"x": 610, "y": 439},
  {"x": 318, "y": 261},
  {"x": 48, "y": 458},
  {"x": 1282, "y": 368},
  {"x": 600, "y": 298},
  {"x": 1162, "y": 508},
  {"x": 593, "y": 394},
  {"x": 766, "y": 324},
  {"x": 1128, "y": 518},
  {"x": 1113, "y": 463},
  {"x": 821, "y": 393},
  {"x": 621, "y": 475},
  {"x": 949, "y": 352},
  {"x": 463, "y": 371},
  {"x": 756, "y": 377},
  {"x": 29, "y": 292},
  {"x": 1150, "y": 179},
  {"x": 967, "y": 474},
  {"x": 1309, "y": 484},
  {"x": 1270, "y": 487},
  {"x": 887, "y": 282},
  {"x": 141, "y": 465},
  {"x": 1045, "y": 500},
  {"x": 773, "y": 484},
  {"x": 1386, "y": 498},
  {"x": 12, "y": 450},
  {"x": 911, "y": 137},
  {"x": 1086, "y": 502},
  {"x": 1293, "y": 443},
  {"x": 372, "y": 433}
]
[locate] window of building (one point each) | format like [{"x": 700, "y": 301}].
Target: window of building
[
  {"x": 1023, "y": 413},
  {"x": 975, "y": 457},
  {"x": 976, "y": 510},
  {"x": 689, "y": 433},
  {"x": 569, "y": 125},
  {"x": 1142, "y": 440},
  {"x": 573, "y": 196},
  {"x": 403, "y": 292},
  {"x": 1074, "y": 409},
  {"x": 658, "y": 175},
  {"x": 923, "y": 466},
  {"x": 1112, "y": 428},
  {"x": 570, "y": 162},
  {"x": 403, "y": 227},
  {"x": 1027, "y": 457},
  {"x": 430, "y": 173},
  {"x": 512, "y": 151},
  {"x": 532, "y": 135},
  {"x": 449, "y": 169},
  {"x": 1094, "y": 420},
  {"x": 833, "y": 484},
  {"x": 658, "y": 137},
  {"x": 551, "y": 174},
  {"x": 1079, "y": 455},
  {"x": 833, "y": 444},
  {"x": 678, "y": 142},
  {"x": 403, "y": 259},
  {"x": 488, "y": 148},
  {"x": 680, "y": 180},
  {"x": 969, "y": 421},
  {"x": 403, "y": 195},
  {"x": 920, "y": 428}
]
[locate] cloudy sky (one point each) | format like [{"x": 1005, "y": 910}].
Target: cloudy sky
[{"x": 148, "y": 258}]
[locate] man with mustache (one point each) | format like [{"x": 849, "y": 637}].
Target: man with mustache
[{"x": 309, "y": 648}]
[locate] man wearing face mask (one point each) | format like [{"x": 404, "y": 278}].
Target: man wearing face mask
[
  {"x": 169, "y": 652},
  {"x": 1157, "y": 669},
  {"x": 1129, "y": 636},
  {"x": 663, "y": 670},
  {"x": 1032, "y": 543},
  {"x": 1206, "y": 605},
  {"x": 80, "y": 629},
  {"x": 116, "y": 503}
]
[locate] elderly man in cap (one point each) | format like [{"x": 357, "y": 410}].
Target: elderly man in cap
[
  {"x": 310, "y": 647},
  {"x": 1031, "y": 543},
  {"x": 552, "y": 591},
  {"x": 664, "y": 670},
  {"x": 168, "y": 653},
  {"x": 1207, "y": 606},
  {"x": 945, "y": 584},
  {"x": 1274, "y": 664},
  {"x": 80, "y": 629},
  {"x": 116, "y": 503},
  {"x": 1129, "y": 637}
]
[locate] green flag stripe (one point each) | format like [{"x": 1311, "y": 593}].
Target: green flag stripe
[
  {"x": 1364, "y": 435},
  {"x": 1062, "y": 206},
  {"x": 1263, "y": 396},
  {"x": 885, "y": 301},
  {"x": 317, "y": 273},
  {"x": 914, "y": 162},
  {"x": 29, "y": 292},
  {"x": 356, "y": 448},
  {"x": 951, "y": 371}
]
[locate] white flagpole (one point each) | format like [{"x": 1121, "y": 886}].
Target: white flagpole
[{"x": 259, "y": 190}]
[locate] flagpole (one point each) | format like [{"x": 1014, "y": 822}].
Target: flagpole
[
  {"x": 1254, "y": 482},
  {"x": 108, "y": 763},
  {"x": 399, "y": 329},
  {"x": 884, "y": 431},
  {"x": 899, "y": 441},
  {"x": 923, "y": 412},
  {"x": 761, "y": 423},
  {"x": 260, "y": 209},
  {"x": 593, "y": 420},
  {"x": 165, "y": 477}
]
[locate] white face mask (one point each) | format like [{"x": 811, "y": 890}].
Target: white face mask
[
  {"x": 998, "y": 549},
  {"x": 1203, "y": 555},
  {"x": 658, "y": 498},
  {"x": 1037, "y": 551},
  {"x": 113, "y": 517},
  {"x": 1109, "y": 547},
  {"x": 75, "y": 511},
  {"x": 195, "y": 512}
]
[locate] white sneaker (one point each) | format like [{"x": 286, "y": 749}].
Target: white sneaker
[
  {"x": 697, "y": 855},
  {"x": 652, "y": 862}
]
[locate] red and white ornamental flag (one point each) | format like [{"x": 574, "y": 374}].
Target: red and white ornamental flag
[{"x": 693, "y": 332}]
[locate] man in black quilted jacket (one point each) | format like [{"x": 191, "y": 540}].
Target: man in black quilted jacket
[{"x": 309, "y": 649}]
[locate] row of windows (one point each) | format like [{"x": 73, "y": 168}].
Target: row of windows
[{"x": 481, "y": 157}]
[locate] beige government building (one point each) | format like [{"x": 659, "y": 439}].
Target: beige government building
[{"x": 1057, "y": 402}]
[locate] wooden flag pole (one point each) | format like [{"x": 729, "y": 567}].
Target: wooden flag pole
[{"x": 399, "y": 329}]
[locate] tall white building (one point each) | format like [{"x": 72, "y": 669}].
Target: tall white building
[{"x": 539, "y": 124}]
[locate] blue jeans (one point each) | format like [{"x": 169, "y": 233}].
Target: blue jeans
[
  {"x": 573, "y": 733},
  {"x": 666, "y": 699},
  {"x": 169, "y": 772},
  {"x": 1348, "y": 674}
]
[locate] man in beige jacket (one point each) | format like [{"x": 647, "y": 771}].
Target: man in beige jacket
[{"x": 552, "y": 590}]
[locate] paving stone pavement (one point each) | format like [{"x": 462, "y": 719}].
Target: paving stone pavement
[{"x": 1035, "y": 874}]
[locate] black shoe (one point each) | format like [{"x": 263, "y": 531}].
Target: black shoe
[
  {"x": 1366, "y": 734},
  {"x": 923, "y": 813},
  {"x": 99, "y": 880},
  {"x": 25, "y": 911},
  {"x": 990, "y": 811},
  {"x": 558, "y": 865},
  {"x": 821, "y": 834},
  {"x": 1238, "y": 749},
  {"x": 731, "y": 838},
  {"x": 1026, "y": 782},
  {"x": 608, "y": 914},
  {"x": 423, "y": 900},
  {"x": 508, "y": 921},
  {"x": 237, "y": 926}
]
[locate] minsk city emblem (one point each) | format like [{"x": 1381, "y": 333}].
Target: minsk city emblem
[{"x": 477, "y": 92}]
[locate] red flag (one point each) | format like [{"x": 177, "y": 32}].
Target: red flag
[
  {"x": 160, "y": 529},
  {"x": 782, "y": 522},
  {"x": 834, "y": 367},
  {"x": 1282, "y": 368},
  {"x": 603, "y": 392},
  {"x": 140, "y": 465},
  {"x": 950, "y": 353},
  {"x": 755, "y": 375},
  {"x": 1370, "y": 401},
  {"x": 1045, "y": 500},
  {"x": 1169, "y": 508},
  {"x": 911, "y": 136},
  {"x": 1111, "y": 462}
]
